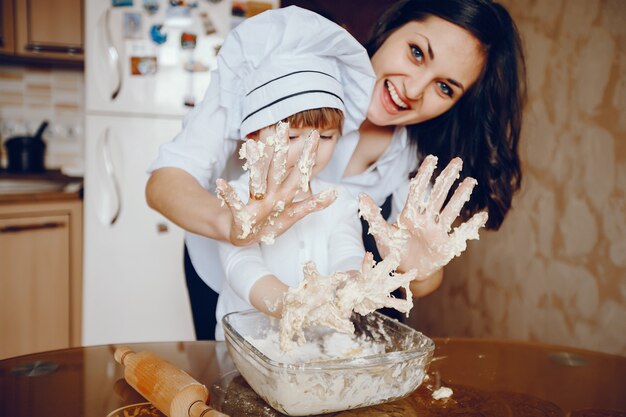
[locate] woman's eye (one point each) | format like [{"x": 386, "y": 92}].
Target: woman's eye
[
  {"x": 327, "y": 137},
  {"x": 416, "y": 52},
  {"x": 445, "y": 89},
  {"x": 293, "y": 137}
]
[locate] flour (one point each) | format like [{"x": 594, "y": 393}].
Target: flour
[
  {"x": 442, "y": 393},
  {"x": 334, "y": 345}
]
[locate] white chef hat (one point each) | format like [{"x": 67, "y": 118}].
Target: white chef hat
[{"x": 288, "y": 60}]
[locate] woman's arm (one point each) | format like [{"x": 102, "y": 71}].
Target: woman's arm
[
  {"x": 178, "y": 196},
  {"x": 426, "y": 286}
]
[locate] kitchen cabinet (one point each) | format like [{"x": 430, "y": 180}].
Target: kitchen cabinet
[
  {"x": 7, "y": 45},
  {"x": 41, "y": 276},
  {"x": 43, "y": 29}
]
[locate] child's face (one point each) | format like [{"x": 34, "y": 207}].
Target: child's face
[
  {"x": 297, "y": 136},
  {"x": 328, "y": 141}
]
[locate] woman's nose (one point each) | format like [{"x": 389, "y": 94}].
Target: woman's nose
[{"x": 415, "y": 86}]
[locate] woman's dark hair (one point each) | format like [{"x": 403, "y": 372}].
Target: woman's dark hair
[{"x": 483, "y": 127}]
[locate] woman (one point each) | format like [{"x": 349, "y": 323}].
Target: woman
[{"x": 449, "y": 82}]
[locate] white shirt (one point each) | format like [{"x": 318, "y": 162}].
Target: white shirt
[
  {"x": 388, "y": 175},
  {"x": 331, "y": 238}
]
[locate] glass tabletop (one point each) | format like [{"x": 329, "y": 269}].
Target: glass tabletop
[{"x": 488, "y": 378}]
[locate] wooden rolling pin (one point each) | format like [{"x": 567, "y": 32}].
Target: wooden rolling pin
[{"x": 173, "y": 391}]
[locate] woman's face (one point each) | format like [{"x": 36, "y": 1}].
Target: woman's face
[{"x": 422, "y": 70}]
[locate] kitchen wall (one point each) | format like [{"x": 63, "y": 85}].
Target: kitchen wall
[
  {"x": 556, "y": 270},
  {"x": 29, "y": 95}
]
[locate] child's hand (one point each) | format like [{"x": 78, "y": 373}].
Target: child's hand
[
  {"x": 422, "y": 231},
  {"x": 271, "y": 209},
  {"x": 330, "y": 300},
  {"x": 313, "y": 302}
]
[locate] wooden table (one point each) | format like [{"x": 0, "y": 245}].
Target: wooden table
[{"x": 489, "y": 378}]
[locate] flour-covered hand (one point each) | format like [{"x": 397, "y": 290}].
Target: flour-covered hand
[
  {"x": 371, "y": 288},
  {"x": 423, "y": 231},
  {"x": 271, "y": 208},
  {"x": 313, "y": 302}
]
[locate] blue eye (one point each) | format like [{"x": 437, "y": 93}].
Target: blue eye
[
  {"x": 416, "y": 52},
  {"x": 445, "y": 89}
]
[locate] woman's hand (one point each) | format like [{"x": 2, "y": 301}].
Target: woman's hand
[
  {"x": 422, "y": 232},
  {"x": 271, "y": 209}
]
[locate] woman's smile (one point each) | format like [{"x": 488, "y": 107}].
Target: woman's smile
[
  {"x": 422, "y": 69},
  {"x": 392, "y": 99}
]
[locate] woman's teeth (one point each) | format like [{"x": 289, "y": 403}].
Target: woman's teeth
[{"x": 394, "y": 96}]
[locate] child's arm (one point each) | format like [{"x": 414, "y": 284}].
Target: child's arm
[
  {"x": 346, "y": 249},
  {"x": 266, "y": 295},
  {"x": 248, "y": 275}
]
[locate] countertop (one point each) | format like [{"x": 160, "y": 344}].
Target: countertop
[
  {"x": 490, "y": 378},
  {"x": 69, "y": 187}
]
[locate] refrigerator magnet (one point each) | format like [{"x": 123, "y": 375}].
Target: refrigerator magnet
[
  {"x": 188, "y": 40},
  {"x": 178, "y": 17},
  {"x": 207, "y": 24},
  {"x": 132, "y": 25},
  {"x": 151, "y": 6},
  {"x": 121, "y": 3},
  {"x": 157, "y": 35},
  {"x": 195, "y": 66},
  {"x": 143, "y": 65},
  {"x": 184, "y": 3}
]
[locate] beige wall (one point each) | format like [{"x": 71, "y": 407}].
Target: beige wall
[{"x": 556, "y": 270}]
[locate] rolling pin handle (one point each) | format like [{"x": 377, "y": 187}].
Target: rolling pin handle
[
  {"x": 121, "y": 353},
  {"x": 200, "y": 409}
]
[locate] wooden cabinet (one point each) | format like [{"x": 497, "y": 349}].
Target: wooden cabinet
[
  {"x": 41, "y": 276},
  {"x": 48, "y": 29},
  {"x": 7, "y": 42}
]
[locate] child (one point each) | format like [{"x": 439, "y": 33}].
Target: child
[
  {"x": 259, "y": 275},
  {"x": 312, "y": 86}
]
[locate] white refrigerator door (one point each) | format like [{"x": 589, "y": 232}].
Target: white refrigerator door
[
  {"x": 110, "y": 85},
  {"x": 134, "y": 286}
]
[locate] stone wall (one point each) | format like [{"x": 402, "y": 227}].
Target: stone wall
[{"x": 556, "y": 270}]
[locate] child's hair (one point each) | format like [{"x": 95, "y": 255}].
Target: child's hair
[{"x": 322, "y": 118}]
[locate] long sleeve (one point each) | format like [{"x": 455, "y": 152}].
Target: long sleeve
[
  {"x": 345, "y": 247},
  {"x": 243, "y": 267}
]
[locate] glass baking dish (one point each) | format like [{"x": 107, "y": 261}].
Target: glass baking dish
[{"x": 324, "y": 386}]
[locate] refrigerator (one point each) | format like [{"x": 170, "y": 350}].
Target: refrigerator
[{"x": 147, "y": 62}]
